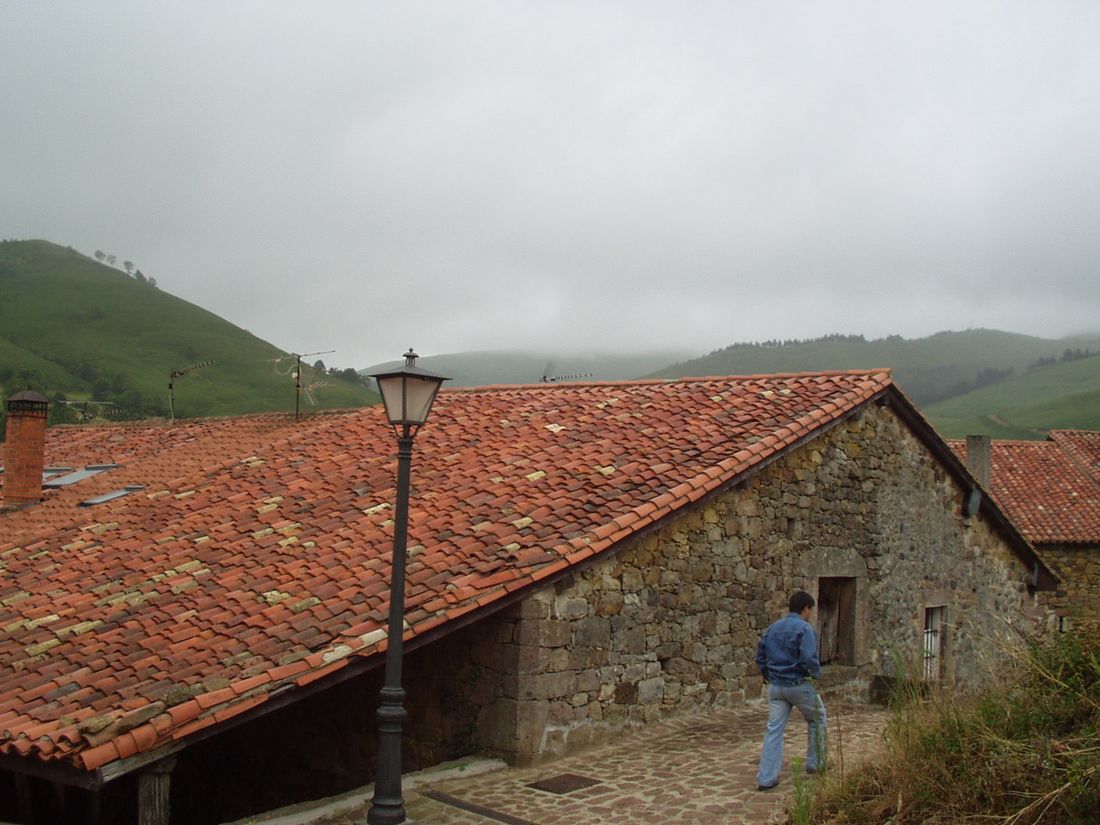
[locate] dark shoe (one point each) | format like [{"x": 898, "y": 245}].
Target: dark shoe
[
  {"x": 766, "y": 787},
  {"x": 811, "y": 770}
]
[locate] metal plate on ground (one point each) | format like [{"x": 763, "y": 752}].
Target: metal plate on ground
[
  {"x": 564, "y": 783},
  {"x": 474, "y": 808}
]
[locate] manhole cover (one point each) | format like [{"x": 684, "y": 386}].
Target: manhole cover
[{"x": 564, "y": 783}]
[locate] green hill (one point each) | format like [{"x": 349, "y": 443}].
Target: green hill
[
  {"x": 928, "y": 369},
  {"x": 479, "y": 369},
  {"x": 1064, "y": 395},
  {"x": 73, "y": 328}
]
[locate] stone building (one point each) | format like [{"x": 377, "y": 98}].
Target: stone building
[
  {"x": 199, "y": 612},
  {"x": 1051, "y": 490}
]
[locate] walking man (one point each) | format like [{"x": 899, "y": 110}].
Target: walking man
[{"x": 788, "y": 661}]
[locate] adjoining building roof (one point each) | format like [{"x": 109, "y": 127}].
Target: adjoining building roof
[
  {"x": 1083, "y": 446},
  {"x": 1051, "y": 489},
  {"x": 257, "y": 557}
]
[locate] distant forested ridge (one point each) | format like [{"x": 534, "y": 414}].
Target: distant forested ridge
[{"x": 931, "y": 369}]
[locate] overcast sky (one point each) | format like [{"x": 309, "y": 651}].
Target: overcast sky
[{"x": 365, "y": 176}]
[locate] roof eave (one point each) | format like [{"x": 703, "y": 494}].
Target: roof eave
[{"x": 54, "y": 770}]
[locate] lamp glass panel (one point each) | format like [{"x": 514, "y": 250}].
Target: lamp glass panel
[
  {"x": 419, "y": 394},
  {"x": 390, "y": 388},
  {"x": 408, "y": 398}
]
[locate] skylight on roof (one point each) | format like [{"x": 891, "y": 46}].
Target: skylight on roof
[
  {"x": 111, "y": 496},
  {"x": 54, "y": 480}
]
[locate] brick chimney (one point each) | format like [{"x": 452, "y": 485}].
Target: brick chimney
[
  {"x": 978, "y": 458},
  {"x": 25, "y": 449}
]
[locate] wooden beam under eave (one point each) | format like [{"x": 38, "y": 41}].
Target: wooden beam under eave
[{"x": 154, "y": 790}]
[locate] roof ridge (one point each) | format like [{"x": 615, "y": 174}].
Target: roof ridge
[
  {"x": 684, "y": 379},
  {"x": 159, "y": 422}
]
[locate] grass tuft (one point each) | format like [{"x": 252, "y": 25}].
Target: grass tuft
[{"x": 1023, "y": 753}]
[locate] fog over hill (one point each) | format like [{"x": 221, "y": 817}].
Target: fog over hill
[
  {"x": 568, "y": 177},
  {"x": 987, "y": 381},
  {"x": 476, "y": 369}
]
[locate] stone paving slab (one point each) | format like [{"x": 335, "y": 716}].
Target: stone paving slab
[{"x": 698, "y": 770}]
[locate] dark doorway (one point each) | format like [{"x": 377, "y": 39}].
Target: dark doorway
[{"x": 836, "y": 611}]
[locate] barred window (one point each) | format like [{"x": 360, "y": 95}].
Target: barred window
[{"x": 934, "y": 632}]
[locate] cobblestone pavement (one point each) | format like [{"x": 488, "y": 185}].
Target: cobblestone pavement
[{"x": 695, "y": 770}]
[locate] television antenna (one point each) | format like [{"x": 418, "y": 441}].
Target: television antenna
[
  {"x": 310, "y": 387},
  {"x": 82, "y": 412},
  {"x": 548, "y": 376},
  {"x": 298, "y": 379},
  {"x": 172, "y": 376}
]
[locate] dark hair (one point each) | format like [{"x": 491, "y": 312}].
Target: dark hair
[{"x": 800, "y": 600}]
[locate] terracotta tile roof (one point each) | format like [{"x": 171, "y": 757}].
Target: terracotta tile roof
[
  {"x": 258, "y": 556},
  {"x": 150, "y": 453},
  {"x": 1083, "y": 446},
  {"x": 1046, "y": 487}
]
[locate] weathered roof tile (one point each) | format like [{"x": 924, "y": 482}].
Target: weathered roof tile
[
  {"x": 192, "y": 595},
  {"x": 1050, "y": 489}
]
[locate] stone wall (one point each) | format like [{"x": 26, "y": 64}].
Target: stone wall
[
  {"x": 669, "y": 623},
  {"x": 1077, "y": 601}
]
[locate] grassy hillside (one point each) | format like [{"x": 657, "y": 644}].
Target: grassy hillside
[
  {"x": 1065, "y": 395},
  {"x": 72, "y": 326},
  {"x": 928, "y": 369},
  {"x": 477, "y": 369}
]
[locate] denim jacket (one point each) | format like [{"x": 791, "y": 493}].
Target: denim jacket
[{"x": 787, "y": 652}]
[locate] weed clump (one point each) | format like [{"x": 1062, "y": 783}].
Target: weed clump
[{"x": 1025, "y": 752}]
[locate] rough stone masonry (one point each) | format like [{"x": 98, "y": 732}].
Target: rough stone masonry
[{"x": 669, "y": 623}]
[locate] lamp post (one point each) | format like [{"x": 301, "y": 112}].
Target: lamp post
[{"x": 407, "y": 394}]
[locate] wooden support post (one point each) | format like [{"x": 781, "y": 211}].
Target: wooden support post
[{"x": 154, "y": 785}]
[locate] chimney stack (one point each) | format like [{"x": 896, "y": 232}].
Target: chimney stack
[
  {"x": 978, "y": 458},
  {"x": 25, "y": 449}
]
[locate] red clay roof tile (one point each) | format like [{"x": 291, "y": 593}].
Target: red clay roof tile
[
  {"x": 1083, "y": 446},
  {"x": 264, "y": 561},
  {"x": 1050, "y": 489}
]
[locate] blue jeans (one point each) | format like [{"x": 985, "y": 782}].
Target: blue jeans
[{"x": 781, "y": 698}]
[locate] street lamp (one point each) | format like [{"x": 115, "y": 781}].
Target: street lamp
[{"x": 408, "y": 394}]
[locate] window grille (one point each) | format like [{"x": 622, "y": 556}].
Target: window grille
[{"x": 933, "y": 643}]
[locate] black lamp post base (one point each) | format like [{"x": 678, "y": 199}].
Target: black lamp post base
[{"x": 387, "y": 812}]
